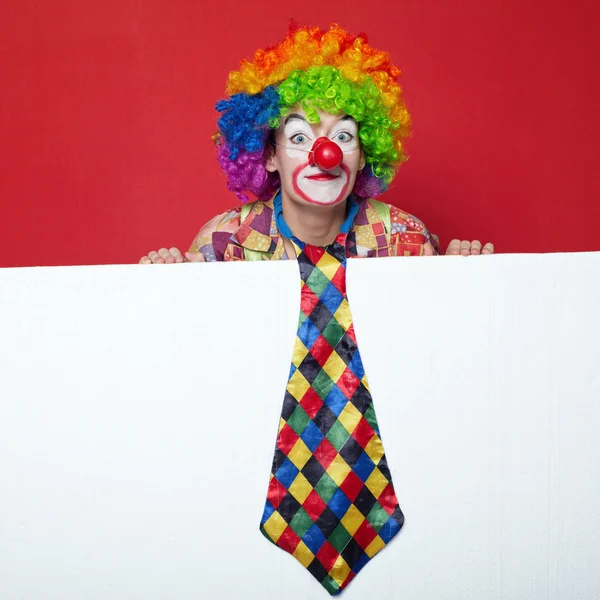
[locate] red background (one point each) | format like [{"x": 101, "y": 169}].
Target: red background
[{"x": 106, "y": 113}]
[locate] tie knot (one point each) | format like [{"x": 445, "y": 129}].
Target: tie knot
[{"x": 320, "y": 265}]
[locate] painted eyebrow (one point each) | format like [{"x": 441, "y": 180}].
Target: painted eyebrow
[
  {"x": 294, "y": 116},
  {"x": 301, "y": 118},
  {"x": 347, "y": 118}
]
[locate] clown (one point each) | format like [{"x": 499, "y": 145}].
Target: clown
[{"x": 315, "y": 129}]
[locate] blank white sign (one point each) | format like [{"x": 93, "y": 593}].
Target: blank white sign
[{"x": 139, "y": 408}]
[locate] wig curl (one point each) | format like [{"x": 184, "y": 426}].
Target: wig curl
[{"x": 329, "y": 70}]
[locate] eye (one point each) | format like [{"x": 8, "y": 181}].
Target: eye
[
  {"x": 299, "y": 138},
  {"x": 343, "y": 137}
]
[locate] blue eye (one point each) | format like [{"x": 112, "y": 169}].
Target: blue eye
[
  {"x": 344, "y": 136},
  {"x": 299, "y": 138}
]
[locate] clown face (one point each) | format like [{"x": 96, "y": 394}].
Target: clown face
[{"x": 304, "y": 181}]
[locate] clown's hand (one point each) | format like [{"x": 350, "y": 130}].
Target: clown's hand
[
  {"x": 169, "y": 257},
  {"x": 466, "y": 248}
]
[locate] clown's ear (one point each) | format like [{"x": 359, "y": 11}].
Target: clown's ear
[
  {"x": 270, "y": 162},
  {"x": 362, "y": 162}
]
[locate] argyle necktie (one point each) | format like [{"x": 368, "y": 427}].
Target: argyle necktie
[{"x": 330, "y": 501}]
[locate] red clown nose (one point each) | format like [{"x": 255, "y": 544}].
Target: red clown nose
[{"x": 327, "y": 155}]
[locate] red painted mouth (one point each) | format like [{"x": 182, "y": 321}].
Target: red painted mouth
[
  {"x": 342, "y": 195},
  {"x": 322, "y": 177}
]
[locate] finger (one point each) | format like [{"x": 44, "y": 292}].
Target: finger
[
  {"x": 488, "y": 248},
  {"x": 428, "y": 249},
  {"x": 167, "y": 256},
  {"x": 195, "y": 257},
  {"x": 176, "y": 255},
  {"x": 155, "y": 258},
  {"x": 465, "y": 248},
  {"x": 145, "y": 261},
  {"x": 475, "y": 248},
  {"x": 453, "y": 247}
]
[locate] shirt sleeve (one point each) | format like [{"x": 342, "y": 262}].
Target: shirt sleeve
[
  {"x": 214, "y": 237},
  {"x": 409, "y": 235}
]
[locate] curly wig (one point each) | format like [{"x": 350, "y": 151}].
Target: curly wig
[{"x": 329, "y": 70}]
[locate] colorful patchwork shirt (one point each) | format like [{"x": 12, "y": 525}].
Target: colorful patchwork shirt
[{"x": 378, "y": 229}]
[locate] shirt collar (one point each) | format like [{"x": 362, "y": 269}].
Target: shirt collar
[
  {"x": 257, "y": 231},
  {"x": 260, "y": 229},
  {"x": 368, "y": 223}
]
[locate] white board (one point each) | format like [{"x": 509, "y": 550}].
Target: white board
[{"x": 139, "y": 407}]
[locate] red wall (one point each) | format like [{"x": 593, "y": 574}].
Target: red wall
[{"x": 106, "y": 113}]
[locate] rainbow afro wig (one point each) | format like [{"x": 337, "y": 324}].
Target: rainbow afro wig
[{"x": 328, "y": 70}]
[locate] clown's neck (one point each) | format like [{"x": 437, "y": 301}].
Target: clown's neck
[{"x": 315, "y": 225}]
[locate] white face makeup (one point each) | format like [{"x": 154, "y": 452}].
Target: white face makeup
[{"x": 304, "y": 182}]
